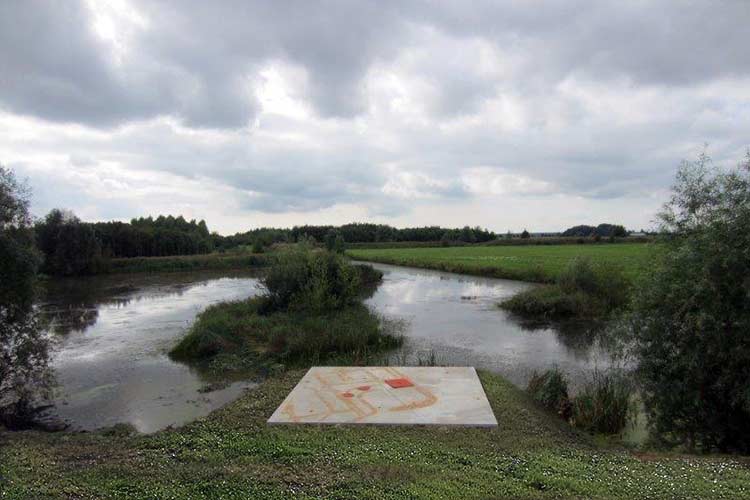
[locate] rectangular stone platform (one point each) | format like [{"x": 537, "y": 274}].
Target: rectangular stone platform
[{"x": 387, "y": 395}]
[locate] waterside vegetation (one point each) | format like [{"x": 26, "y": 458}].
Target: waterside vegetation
[
  {"x": 581, "y": 291},
  {"x": 309, "y": 313}
]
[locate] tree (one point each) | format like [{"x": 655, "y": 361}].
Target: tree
[
  {"x": 339, "y": 245},
  {"x": 525, "y": 234},
  {"x": 70, "y": 247},
  {"x": 691, "y": 316},
  {"x": 24, "y": 346}
]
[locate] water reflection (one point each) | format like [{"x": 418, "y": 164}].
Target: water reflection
[
  {"x": 111, "y": 361},
  {"x": 456, "y": 317}
]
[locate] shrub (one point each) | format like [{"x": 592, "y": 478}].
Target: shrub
[
  {"x": 258, "y": 246},
  {"x": 368, "y": 275},
  {"x": 550, "y": 389},
  {"x": 605, "y": 283},
  {"x": 547, "y": 302},
  {"x": 314, "y": 281},
  {"x": 692, "y": 313},
  {"x": 581, "y": 290},
  {"x": 604, "y": 405}
]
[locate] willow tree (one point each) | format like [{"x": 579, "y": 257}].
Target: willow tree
[
  {"x": 24, "y": 346},
  {"x": 692, "y": 314}
]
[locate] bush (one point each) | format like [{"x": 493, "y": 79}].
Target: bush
[
  {"x": 368, "y": 275},
  {"x": 25, "y": 374},
  {"x": 547, "y": 302},
  {"x": 313, "y": 281},
  {"x": 691, "y": 315},
  {"x": 605, "y": 283},
  {"x": 580, "y": 291},
  {"x": 550, "y": 389},
  {"x": 604, "y": 405}
]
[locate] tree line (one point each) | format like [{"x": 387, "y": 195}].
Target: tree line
[
  {"x": 602, "y": 230},
  {"x": 356, "y": 233},
  {"x": 70, "y": 246}
]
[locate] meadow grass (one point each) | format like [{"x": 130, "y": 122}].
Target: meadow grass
[
  {"x": 537, "y": 263},
  {"x": 233, "y": 453}
]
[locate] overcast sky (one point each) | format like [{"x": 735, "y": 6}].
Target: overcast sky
[{"x": 508, "y": 115}]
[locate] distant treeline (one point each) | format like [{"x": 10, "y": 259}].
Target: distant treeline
[
  {"x": 359, "y": 233},
  {"x": 602, "y": 230},
  {"x": 149, "y": 237},
  {"x": 73, "y": 247}
]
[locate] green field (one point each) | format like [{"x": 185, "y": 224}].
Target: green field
[
  {"x": 233, "y": 453},
  {"x": 540, "y": 263}
]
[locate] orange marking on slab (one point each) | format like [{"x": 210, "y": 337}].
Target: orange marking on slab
[
  {"x": 364, "y": 388},
  {"x": 347, "y": 394},
  {"x": 399, "y": 383},
  {"x": 429, "y": 400}
]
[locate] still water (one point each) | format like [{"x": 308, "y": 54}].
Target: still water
[
  {"x": 113, "y": 334},
  {"x": 456, "y": 318}
]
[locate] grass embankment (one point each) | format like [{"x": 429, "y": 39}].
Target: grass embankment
[
  {"x": 536, "y": 263},
  {"x": 312, "y": 312},
  {"x": 186, "y": 263},
  {"x": 233, "y": 453}
]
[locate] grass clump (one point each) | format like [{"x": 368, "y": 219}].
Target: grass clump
[
  {"x": 581, "y": 290},
  {"x": 312, "y": 312},
  {"x": 550, "y": 389},
  {"x": 603, "y": 406}
]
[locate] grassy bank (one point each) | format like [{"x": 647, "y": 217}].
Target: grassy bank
[
  {"x": 186, "y": 263},
  {"x": 538, "y": 263},
  {"x": 233, "y": 453}
]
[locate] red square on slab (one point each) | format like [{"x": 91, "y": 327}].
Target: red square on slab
[{"x": 399, "y": 383}]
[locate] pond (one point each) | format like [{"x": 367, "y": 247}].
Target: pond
[{"x": 113, "y": 334}]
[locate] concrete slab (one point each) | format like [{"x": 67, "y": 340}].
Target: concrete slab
[{"x": 387, "y": 395}]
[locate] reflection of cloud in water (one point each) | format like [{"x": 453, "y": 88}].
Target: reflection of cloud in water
[
  {"x": 110, "y": 363},
  {"x": 457, "y": 318}
]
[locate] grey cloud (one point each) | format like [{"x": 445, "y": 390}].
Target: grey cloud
[
  {"x": 198, "y": 64},
  {"x": 650, "y": 42},
  {"x": 196, "y": 60}
]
